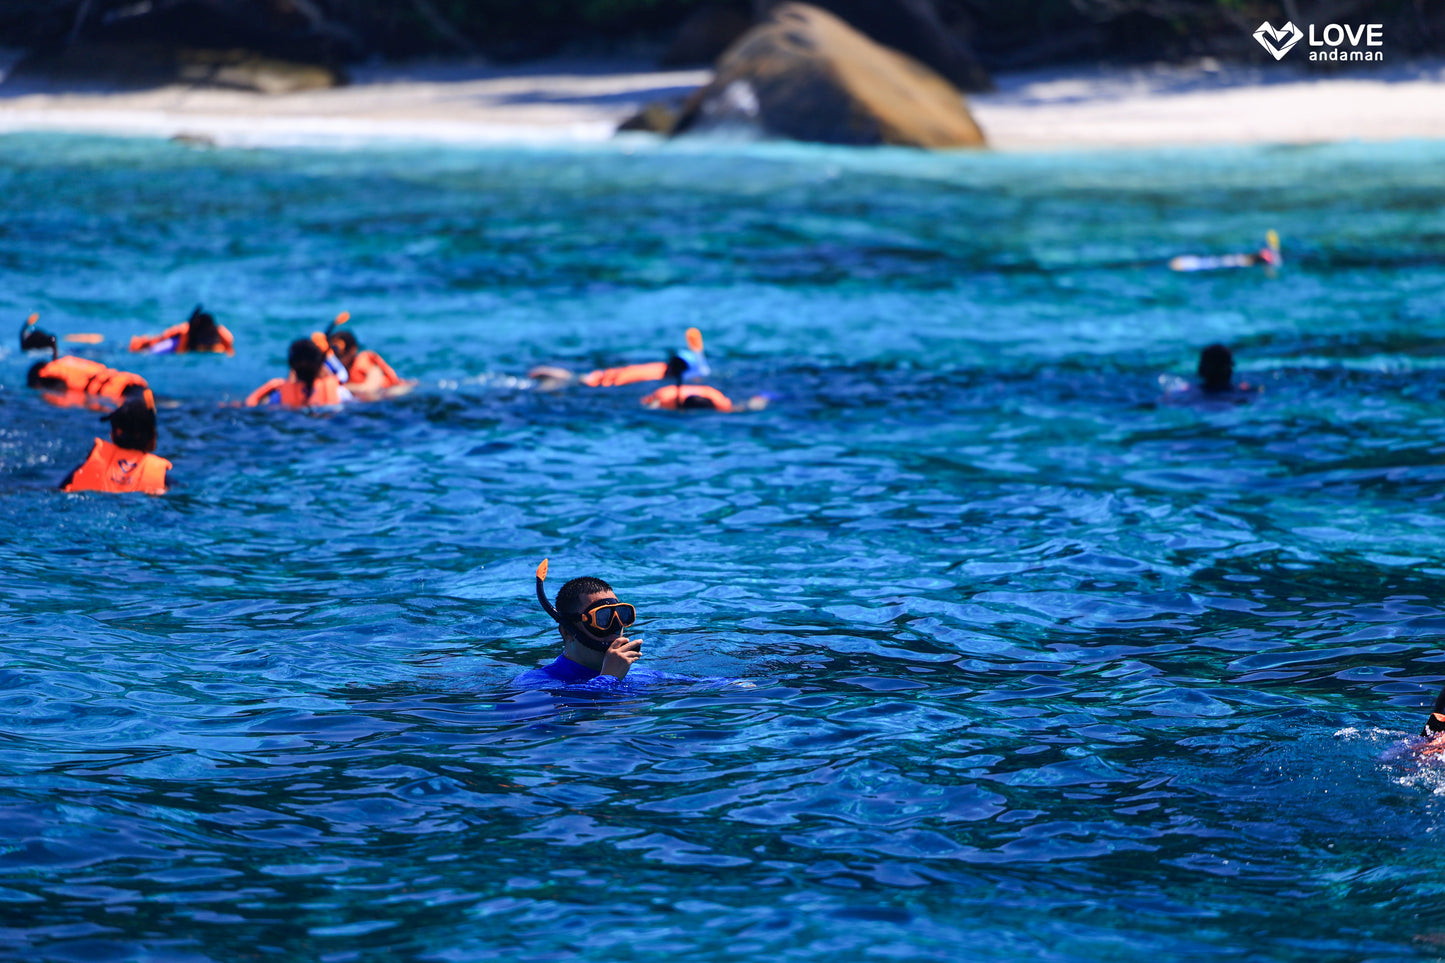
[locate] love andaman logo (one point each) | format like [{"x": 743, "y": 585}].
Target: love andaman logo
[{"x": 1334, "y": 36}]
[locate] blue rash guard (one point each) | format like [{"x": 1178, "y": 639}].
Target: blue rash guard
[{"x": 563, "y": 671}]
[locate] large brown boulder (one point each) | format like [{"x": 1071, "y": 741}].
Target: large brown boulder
[{"x": 806, "y": 75}]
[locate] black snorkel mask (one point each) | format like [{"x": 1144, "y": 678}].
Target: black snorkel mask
[
  {"x": 32, "y": 337},
  {"x": 598, "y": 627}
]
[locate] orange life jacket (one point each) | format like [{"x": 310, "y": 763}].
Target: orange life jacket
[
  {"x": 630, "y": 374},
  {"x": 182, "y": 333},
  {"x": 292, "y": 393},
  {"x": 110, "y": 468},
  {"x": 670, "y": 396},
  {"x": 362, "y": 368},
  {"x": 92, "y": 377}
]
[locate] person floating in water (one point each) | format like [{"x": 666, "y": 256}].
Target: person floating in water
[
  {"x": 309, "y": 383},
  {"x": 366, "y": 372},
  {"x": 78, "y": 380},
  {"x": 125, "y": 463},
  {"x": 704, "y": 397},
  {"x": 1433, "y": 732},
  {"x": 697, "y": 367},
  {"x": 1269, "y": 256},
  {"x": 198, "y": 333},
  {"x": 1216, "y": 380},
  {"x": 590, "y": 621}
]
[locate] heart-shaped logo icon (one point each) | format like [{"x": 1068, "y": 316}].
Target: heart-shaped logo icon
[{"x": 1278, "y": 42}]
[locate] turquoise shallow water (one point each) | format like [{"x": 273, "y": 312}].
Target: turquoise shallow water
[{"x": 995, "y": 656}]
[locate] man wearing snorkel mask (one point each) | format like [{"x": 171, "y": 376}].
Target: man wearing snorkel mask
[{"x": 591, "y": 621}]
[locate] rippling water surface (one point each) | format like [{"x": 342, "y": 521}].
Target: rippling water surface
[{"x": 988, "y": 654}]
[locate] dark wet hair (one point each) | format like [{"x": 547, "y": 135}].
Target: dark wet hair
[
  {"x": 34, "y": 380},
  {"x": 1216, "y": 368},
  {"x": 133, "y": 425},
  {"x": 202, "y": 332},
  {"x": 570, "y": 596},
  {"x": 347, "y": 339},
  {"x": 698, "y": 401},
  {"x": 306, "y": 360}
]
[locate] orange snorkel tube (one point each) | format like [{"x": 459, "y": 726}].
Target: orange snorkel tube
[{"x": 542, "y": 594}]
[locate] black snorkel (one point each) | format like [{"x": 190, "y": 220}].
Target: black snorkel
[
  {"x": 677, "y": 369},
  {"x": 573, "y": 631},
  {"x": 32, "y": 337}
]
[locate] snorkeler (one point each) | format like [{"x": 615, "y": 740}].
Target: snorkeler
[
  {"x": 1433, "y": 731},
  {"x": 678, "y": 395},
  {"x": 701, "y": 397},
  {"x": 366, "y": 371},
  {"x": 125, "y": 463},
  {"x": 591, "y": 622},
  {"x": 79, "y": 378},
  {"x": 1216, "y": 380},
  {"x": 198, "y": 333},
  {"x": 697, "y": 367},
  {"x": 1269, "y": 256},
  {"x": 1435, "y": 723},
  {"x": 309, "y": 383}
]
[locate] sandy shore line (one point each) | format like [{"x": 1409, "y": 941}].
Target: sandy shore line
[{"x": 578, "y": 102}]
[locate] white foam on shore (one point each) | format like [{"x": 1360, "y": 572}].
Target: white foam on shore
[{"x": 561, "y": 104}]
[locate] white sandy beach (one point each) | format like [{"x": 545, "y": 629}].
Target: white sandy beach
[{"x": 570, "y": 102}]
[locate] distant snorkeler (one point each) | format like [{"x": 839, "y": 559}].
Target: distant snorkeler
[
  {"x": 198, "y": 333},
  {"x": 1433, "y": 732},
  {"x": 590, "y": 621},
  {"x": 1269, "y": 256},
  {"x": 310, "y": 383},
  {"x": 75, "y": 381},
  {"x": 125, "y": 463},
  {"x": 366, "y": 372},
  {"x": 1216, "y": 380},
  {"x": 700, "y": 397},
  {"x": 547, "y": 376}
]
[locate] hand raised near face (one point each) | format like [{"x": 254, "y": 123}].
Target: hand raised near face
[{"x": 620, "y": 656}]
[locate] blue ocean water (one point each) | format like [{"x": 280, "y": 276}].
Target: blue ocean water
[{"x": 989, "y": 654}]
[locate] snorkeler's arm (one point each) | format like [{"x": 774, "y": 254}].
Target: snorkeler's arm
[{"x": 620, "y": 657}]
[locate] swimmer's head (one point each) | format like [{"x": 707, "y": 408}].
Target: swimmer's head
[
  {"x": 202, "y": 333},
  {"x": 587, "y": 610},
  {"x": 133, "y": 424},
  {"x": 32, "y": 338},
  {"x": 701, "y": 402},
  {"x": 591, "y": 613},
  {"x": 1216, "y": 368},
  {"x": 34, "y": 379},
  {"x": 306, "y": 359},
  {"x": 346, "y": 346}
]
